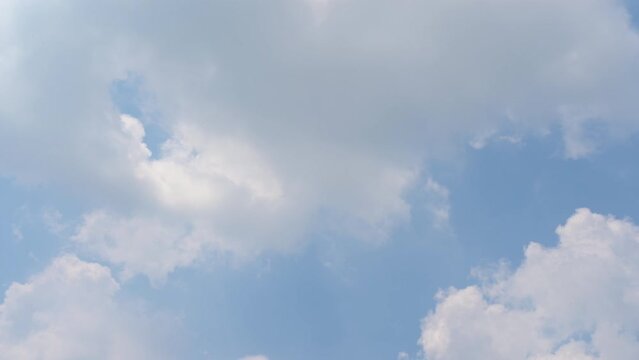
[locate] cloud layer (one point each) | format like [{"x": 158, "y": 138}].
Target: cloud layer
[
  {"x": 293, "y": 117},
  {"x": 576, "y": 300}
]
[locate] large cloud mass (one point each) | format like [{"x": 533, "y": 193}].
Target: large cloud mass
[
  {"x": 288, "y": 117},
  {"x": 577, "y": 300}
]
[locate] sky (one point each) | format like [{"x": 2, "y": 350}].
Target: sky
[{"x": 319, "y": 179}]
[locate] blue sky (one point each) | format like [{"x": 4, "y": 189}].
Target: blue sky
[{"x": 316, "y": 179}]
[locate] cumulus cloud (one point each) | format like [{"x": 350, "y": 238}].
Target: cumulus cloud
[
  {"x": 576, "y": 300},
  {"x": 71, "y": 311},
  {"x": 139, "y": 245},
  {"x": 200, "y": 194},
  {"x": 294, "y": 117}
]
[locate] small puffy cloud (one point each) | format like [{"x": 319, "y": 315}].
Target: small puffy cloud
[
  {"x": 71, "y": 311},
  {"x": 139, "y": 245},
  {"x": 576, "y": 300}
]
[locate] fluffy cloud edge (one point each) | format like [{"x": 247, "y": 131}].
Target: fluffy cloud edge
[
  {"x": 576, "y": 300},
  {"x": 72, "y": 309}
]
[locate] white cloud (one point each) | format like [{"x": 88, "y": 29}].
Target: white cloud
[
  {"x": 197, "y": 171},
  {"x": 202, "y": 192},
  {"x": 281, "y": 125},
  {"x": 577, "y": 300},
  {"x": 150, "y": 246},
  {"x": 254, "y": 357},
  {"x": 71, "y": 311}
]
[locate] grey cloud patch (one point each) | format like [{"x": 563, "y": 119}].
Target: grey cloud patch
[{"x": 334, "y": 105}]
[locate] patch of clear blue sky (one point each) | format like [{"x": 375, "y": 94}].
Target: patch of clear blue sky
[
  {"x": 129, "y": 96},
  {"x": 633, "y": 8},
  {"x": 26, "y": 245}
]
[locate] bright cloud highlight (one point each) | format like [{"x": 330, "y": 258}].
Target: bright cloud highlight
[
  {"x": 71, "y": 311},
  {"x": 577, "y": 300}
]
